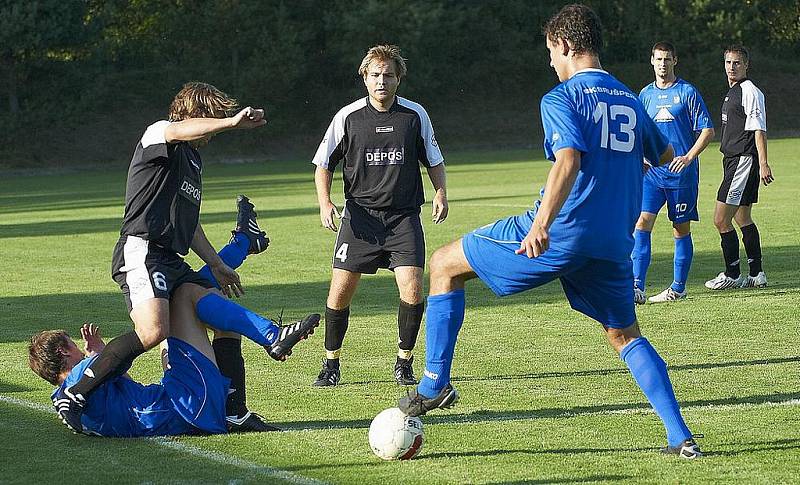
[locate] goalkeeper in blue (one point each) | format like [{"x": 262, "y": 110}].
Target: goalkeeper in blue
[
  {"x": 682, "y": 117},
  {"x": 580, "y": 232}
]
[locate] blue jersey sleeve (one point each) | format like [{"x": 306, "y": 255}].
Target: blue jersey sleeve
[
  {"x": 562, "y": 127},
  {"x": 697, "y": 107}
]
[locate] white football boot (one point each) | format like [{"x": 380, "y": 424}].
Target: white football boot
[
  {"x": 757, "y": 281},
  {"x": 667, "y": 295},
  {"x": 724, "y": 282}
]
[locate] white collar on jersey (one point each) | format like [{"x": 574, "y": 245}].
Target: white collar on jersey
[{"x": 591, "y": 69}]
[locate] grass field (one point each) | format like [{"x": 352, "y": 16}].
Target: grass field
[{"x": 545, "y": 400}]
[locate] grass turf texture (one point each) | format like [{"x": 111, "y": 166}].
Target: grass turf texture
[{"x": 544, "y": 398}]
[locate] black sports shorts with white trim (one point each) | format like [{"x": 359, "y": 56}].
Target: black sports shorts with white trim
[
  {"x": 369, "y": 239},
  {"x": 145, "y": 270},
  {"x": 740, "y": 178}
]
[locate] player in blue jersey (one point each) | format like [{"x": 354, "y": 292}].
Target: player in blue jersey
[
  {"x": 190, "y": 399},
  {"x": 581, "y": 232},
  {"x": 682, "y": 117}
]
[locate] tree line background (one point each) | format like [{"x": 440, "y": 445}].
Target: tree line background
[{"x": 80, "y": 79}]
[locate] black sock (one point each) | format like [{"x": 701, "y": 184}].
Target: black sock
[
  {"x": 336, "y": 322},
  {"x": 752, "y": 246},
  {"x": 730, "y": 252},
  {"x": 228, "y": 352},
  {"x": 409, "y": 319},
  {"x": 115, "y": 360}
]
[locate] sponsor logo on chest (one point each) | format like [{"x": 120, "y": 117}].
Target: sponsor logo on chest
[
  {"x": 384, "y": 129},
  {"x": 385, "y": 156},
  {"x": 191, "y": 190}
]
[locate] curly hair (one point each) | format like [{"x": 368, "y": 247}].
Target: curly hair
[
  {"x": 200, "y": 100},
  {"x": 578, "y": 26},
  {"x": 44, "y": 354},
  {"x": 384, "y": 53}
]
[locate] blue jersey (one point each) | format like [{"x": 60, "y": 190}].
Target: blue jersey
[
  {"x": 600, "y": 117},
  {"x": 680, "y": 113},
  {"x": 123, "y": 407}
]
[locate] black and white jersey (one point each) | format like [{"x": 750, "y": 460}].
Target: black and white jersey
[
  {"x": 743, "y": 112},
  {"x": 164, "y": 190},
  {"x": 381, "y": 153}
]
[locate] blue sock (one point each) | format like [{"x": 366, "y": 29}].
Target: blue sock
[
  {"x": 233, "y": 254},
  {"x": 443, "y": 320},
  {"x": 640, "y": 257},
  {"x": 684, "y": 251},
  {"x": 650, "y": 373},
  {"x": 223, "y": 314}
]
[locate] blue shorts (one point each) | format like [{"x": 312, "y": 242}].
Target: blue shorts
[
  {"x": 195, "y": 387},
  {"x": 598, "y": 288},
  {"x": 681, "y": 202}
]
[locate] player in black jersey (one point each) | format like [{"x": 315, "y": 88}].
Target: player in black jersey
[
  {"x": 379, "y": 141},
  {"x": 744, "y": 162},
  {"x": 160, "y": 225}
]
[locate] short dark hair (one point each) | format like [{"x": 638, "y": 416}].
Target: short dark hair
[
  {"x": 577, "y": 25},
  {"x": 664, "y": 46},
  {"x": 44, "y": 354},
  {"x": 739, "y": 49}
]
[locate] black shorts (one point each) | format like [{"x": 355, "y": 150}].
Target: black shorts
[
  {"x": 144, "y": 270},
  {"x": 740, "y": 178},
  {"x": 369, "y": 239}
]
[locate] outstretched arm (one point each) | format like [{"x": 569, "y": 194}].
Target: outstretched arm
[
  {"x": 440, "y": 208},
  {"x": 196, "y": 128},
  {"x": 228, "y": 279},
  {"x": 559, "y": 184}
]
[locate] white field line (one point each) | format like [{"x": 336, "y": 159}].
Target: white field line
[{"x": 269, "y": 472}]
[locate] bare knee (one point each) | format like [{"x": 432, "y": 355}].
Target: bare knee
[
  {"x": 743, "y": 220},
  {"x": 620, "y": 337},
  {"x": 682, "y": 229},
  {"x": 152, "y": 333},
  {"x": 646, "y": 222}
]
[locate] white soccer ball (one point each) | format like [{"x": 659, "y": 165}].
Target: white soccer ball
[{"x": 395, "y": 436}]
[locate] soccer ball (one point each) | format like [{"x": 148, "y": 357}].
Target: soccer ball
[{"x": 395, "y": 436}]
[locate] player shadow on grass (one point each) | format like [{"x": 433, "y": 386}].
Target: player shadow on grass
[
  {"x": 486, "y": 416},
  {"x": 598, "y": 372}
]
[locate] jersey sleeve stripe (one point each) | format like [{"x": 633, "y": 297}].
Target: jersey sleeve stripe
[
  {"x": 329, "y": 153},
  {"x": 431, "y": 154},
  {"x": 754, "y": 109}
]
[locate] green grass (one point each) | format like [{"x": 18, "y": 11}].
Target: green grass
[{"x": 546, "y": 402}]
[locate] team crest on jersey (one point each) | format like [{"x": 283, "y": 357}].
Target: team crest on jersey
[
  {"x": 385, "y": 156},
  {"x": 676, "y": 99},
  {"x": 664, "y": 115},
  {"x": 384, "y": 129}
]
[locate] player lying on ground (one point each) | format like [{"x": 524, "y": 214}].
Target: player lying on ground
[
  {"x": 190, "y": 399},
  {"x": 160, "y": 224},
  {"x": 597, "y": 133}
]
